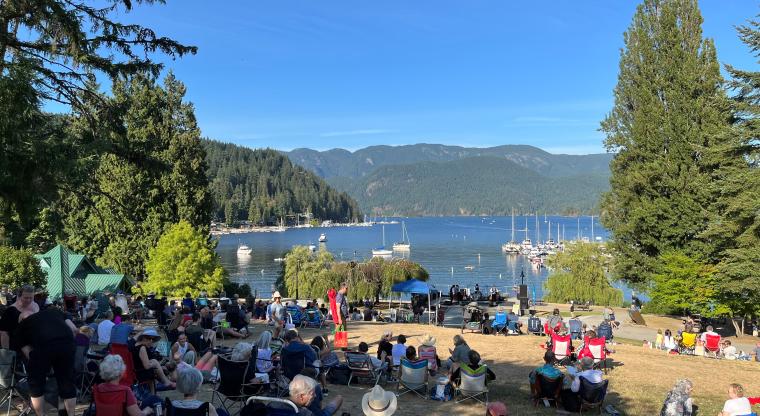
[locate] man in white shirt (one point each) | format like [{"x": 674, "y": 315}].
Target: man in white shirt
[
  {"x": 588, "y": 372},
  {"x": 709, "y": 331},
  {"x": 736, "y": 404},
  {"x": 104, "y": 329},
  {"x": 399, "y": 350}
]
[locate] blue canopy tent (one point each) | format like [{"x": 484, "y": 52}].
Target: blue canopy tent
[{"x": 412, "y": 286}]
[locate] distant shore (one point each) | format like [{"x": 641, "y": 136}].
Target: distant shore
[{"x": 279, "y": 229}]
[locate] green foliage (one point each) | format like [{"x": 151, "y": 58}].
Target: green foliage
[
  {"x": 670, "y": 111},
  {"x": 473, "y": 186},
  {"x": 734, "y": 228},
  {"x": 315, "y": 274},
  {"x": 263, "y": 186},
  {"x": 683, "y": 284},
  {"x": 580, "y": 274},
  {"x": 231, "y": 288},
  {"x": 18, "y": 267},
  {"x": 34, "y": 159},
  {"x": 183, "y": 261},
  {"x": 149, "y": 174},
  {"x": 64, "y": 42}
]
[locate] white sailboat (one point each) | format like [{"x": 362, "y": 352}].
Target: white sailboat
[
  {"x": 382, "y": 251},
  {"x": 405, "y": 244},
  {"x": 511, "y": 247},
  {"x": 526, "y": 244}
]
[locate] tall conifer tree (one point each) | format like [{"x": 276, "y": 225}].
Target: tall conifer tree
[{"x": 670, "y": 110}]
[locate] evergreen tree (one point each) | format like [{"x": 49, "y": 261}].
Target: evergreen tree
[
  {"x": 19, "y": 267},
  {"x": 670, "y": 111},
  {"x": 734, "y": 230},
  {"x": 150, "y": 173},
  {"x": 64, "y": 42}
]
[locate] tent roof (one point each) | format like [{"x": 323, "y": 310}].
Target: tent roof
[{"x": 411, "y": 286}]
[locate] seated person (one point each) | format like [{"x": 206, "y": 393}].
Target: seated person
[
  {"x": 428, "y": 352},
  {"x": 183, "y": 350},
  {"x": 548, "y": 370},
  {"x": 83, "y": 336},
  {"x": 376, "y": 363},
  {"x": 147, "y": 367},
  {"x": 121, "y": 332},
  {"x": 264, "y": 357},
  {"x": 411, "y": 354},
  {"x": 728, "y": 350},
  {"x": 668, "y": 341},
  {"x": 585, "y": 369},
  {"x": 385, "y": 348},
  {"x": 472, "y": 365},
  {"x": 194, "y": 329},
  {"x": 303, "y": 392},
  {"x": 399, "y": 350},
  {"x": 114, "y": 394},
  {"x": 295, "y": 346},
  {"x": 460, "y": 352},
  {"x": 514, "y": 322},
  {"x": 736, "y": 404},
  {"x": 709, "y": 331},
  {"x": 678, "y": 402},
  {"x": 555, "y": 320},
  {"x": 485, "y": 324},
  {"x": 189, "y": 381},
  {"x": 326, "y": 356},
  {"x": 583, "y": 349}
]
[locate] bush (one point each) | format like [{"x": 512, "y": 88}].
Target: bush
[{"x": 18, "y": 267}]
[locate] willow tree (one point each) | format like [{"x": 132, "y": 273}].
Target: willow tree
[
  {"x": 670, "y": 111},
  {"x": 580, "y": 275},
  {"x": 308, "y": 274}
]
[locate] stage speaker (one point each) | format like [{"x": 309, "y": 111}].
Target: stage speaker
[{"x": 523, "y": 293}]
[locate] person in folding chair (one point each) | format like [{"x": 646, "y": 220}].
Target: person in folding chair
[
  {"x": 412, "y": 374},
  {"x": 189, "y": 381},
  {"x": 571, "y": 399},
  {"x": 113, "y": 398},
  {"x": 499, "y": 323},
  {"x": 465, "y": 378},
  {"x": 302, "y": 390}
]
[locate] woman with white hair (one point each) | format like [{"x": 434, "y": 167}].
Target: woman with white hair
[
  {"x": 112, "y": 398},
  {"x": 189, "y": 381},
  {"x": 264, "y": 358}
]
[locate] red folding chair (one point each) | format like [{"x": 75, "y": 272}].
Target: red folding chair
[
  {"x": 561, "y": 346},
  {"x": 129, "y": 377},
  {"x": 712, "y": 345},
  {"x": 598, "y": 352}
]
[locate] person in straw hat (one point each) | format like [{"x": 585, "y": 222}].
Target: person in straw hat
[
  {"x": 378, "y": 402},
  {"x": 148, "y": 368},
  {"x": 427, "y": 351},
  {"x": 276, "y": 313}
]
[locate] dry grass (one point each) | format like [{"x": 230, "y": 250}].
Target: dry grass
[{"x": 638, "y": 383}]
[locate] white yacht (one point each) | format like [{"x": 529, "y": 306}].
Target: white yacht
[
  {"x": 244, "y": 250},
  {"x": 322, "y": 238}
]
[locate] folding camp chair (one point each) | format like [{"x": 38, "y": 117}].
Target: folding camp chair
[
  {"x": 561, "y": 346},
  {"x": 286, "y": 407},
  {"x": 597, "y": 348},
  {"x": 688, "y": 343},
  {"x": 82, "y": 375},
  {"x": 312, "y": 319},
  {"x": 413, "y": 376},
  {"x": 576, "y": 328},
  {"x": 592, "y": 394},
  {"x": 9, "y": 381},
  {"x": 428, "y": 353},
  {"x": 295, "y": 314},
  {"x": 229, "y": 390},
  {"x": 472, "y": 384},
  {"x": 712, "y": 345},
  {"x": 170, "y": 410},
  {"x": 499, "y": 323},
  {"x": 361, "y": 367},
  {"x": 110, "y": 402},
  {"x": 292, "y": 362},
  {"x": 604, "y": 330},
  {"x": 546, "y": 388},
  {"x": 534, "y": 326}
]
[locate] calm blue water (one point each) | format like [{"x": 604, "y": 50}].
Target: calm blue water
[{"x": 443, "y": 245}]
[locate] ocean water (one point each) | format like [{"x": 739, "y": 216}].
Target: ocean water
[{"x": 443, "y": 245}]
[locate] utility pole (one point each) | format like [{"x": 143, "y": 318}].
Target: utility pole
[{"x": 298, "y": 270}]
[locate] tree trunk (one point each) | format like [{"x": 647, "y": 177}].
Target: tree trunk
[{"x": 737, "y": 328}]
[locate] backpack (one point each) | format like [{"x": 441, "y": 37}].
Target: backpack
[
  {"x": 339, "y": 375},
  {"x": 534, "y": 324}
]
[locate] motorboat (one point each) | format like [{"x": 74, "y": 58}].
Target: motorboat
[
  {"x": 244, "y": 250},
  {"x": 312, "y": 247},
  {"x": 322, "y": 238}
]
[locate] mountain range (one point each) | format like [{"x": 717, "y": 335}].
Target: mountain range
[{"x": 433, "y": 179}]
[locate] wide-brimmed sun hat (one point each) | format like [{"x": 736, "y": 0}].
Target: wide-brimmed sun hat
[
  {"x": 378, "y": 402},
  {"x": 428, "y": 341},
  {"x": 276, "y": 295},
  {"x": 149, "y": 333}
]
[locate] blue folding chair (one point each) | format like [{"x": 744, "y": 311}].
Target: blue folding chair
[{"x": 499, "y": 323}]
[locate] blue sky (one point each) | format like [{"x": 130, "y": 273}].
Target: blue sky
[{"x": 349, "y": 74}]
